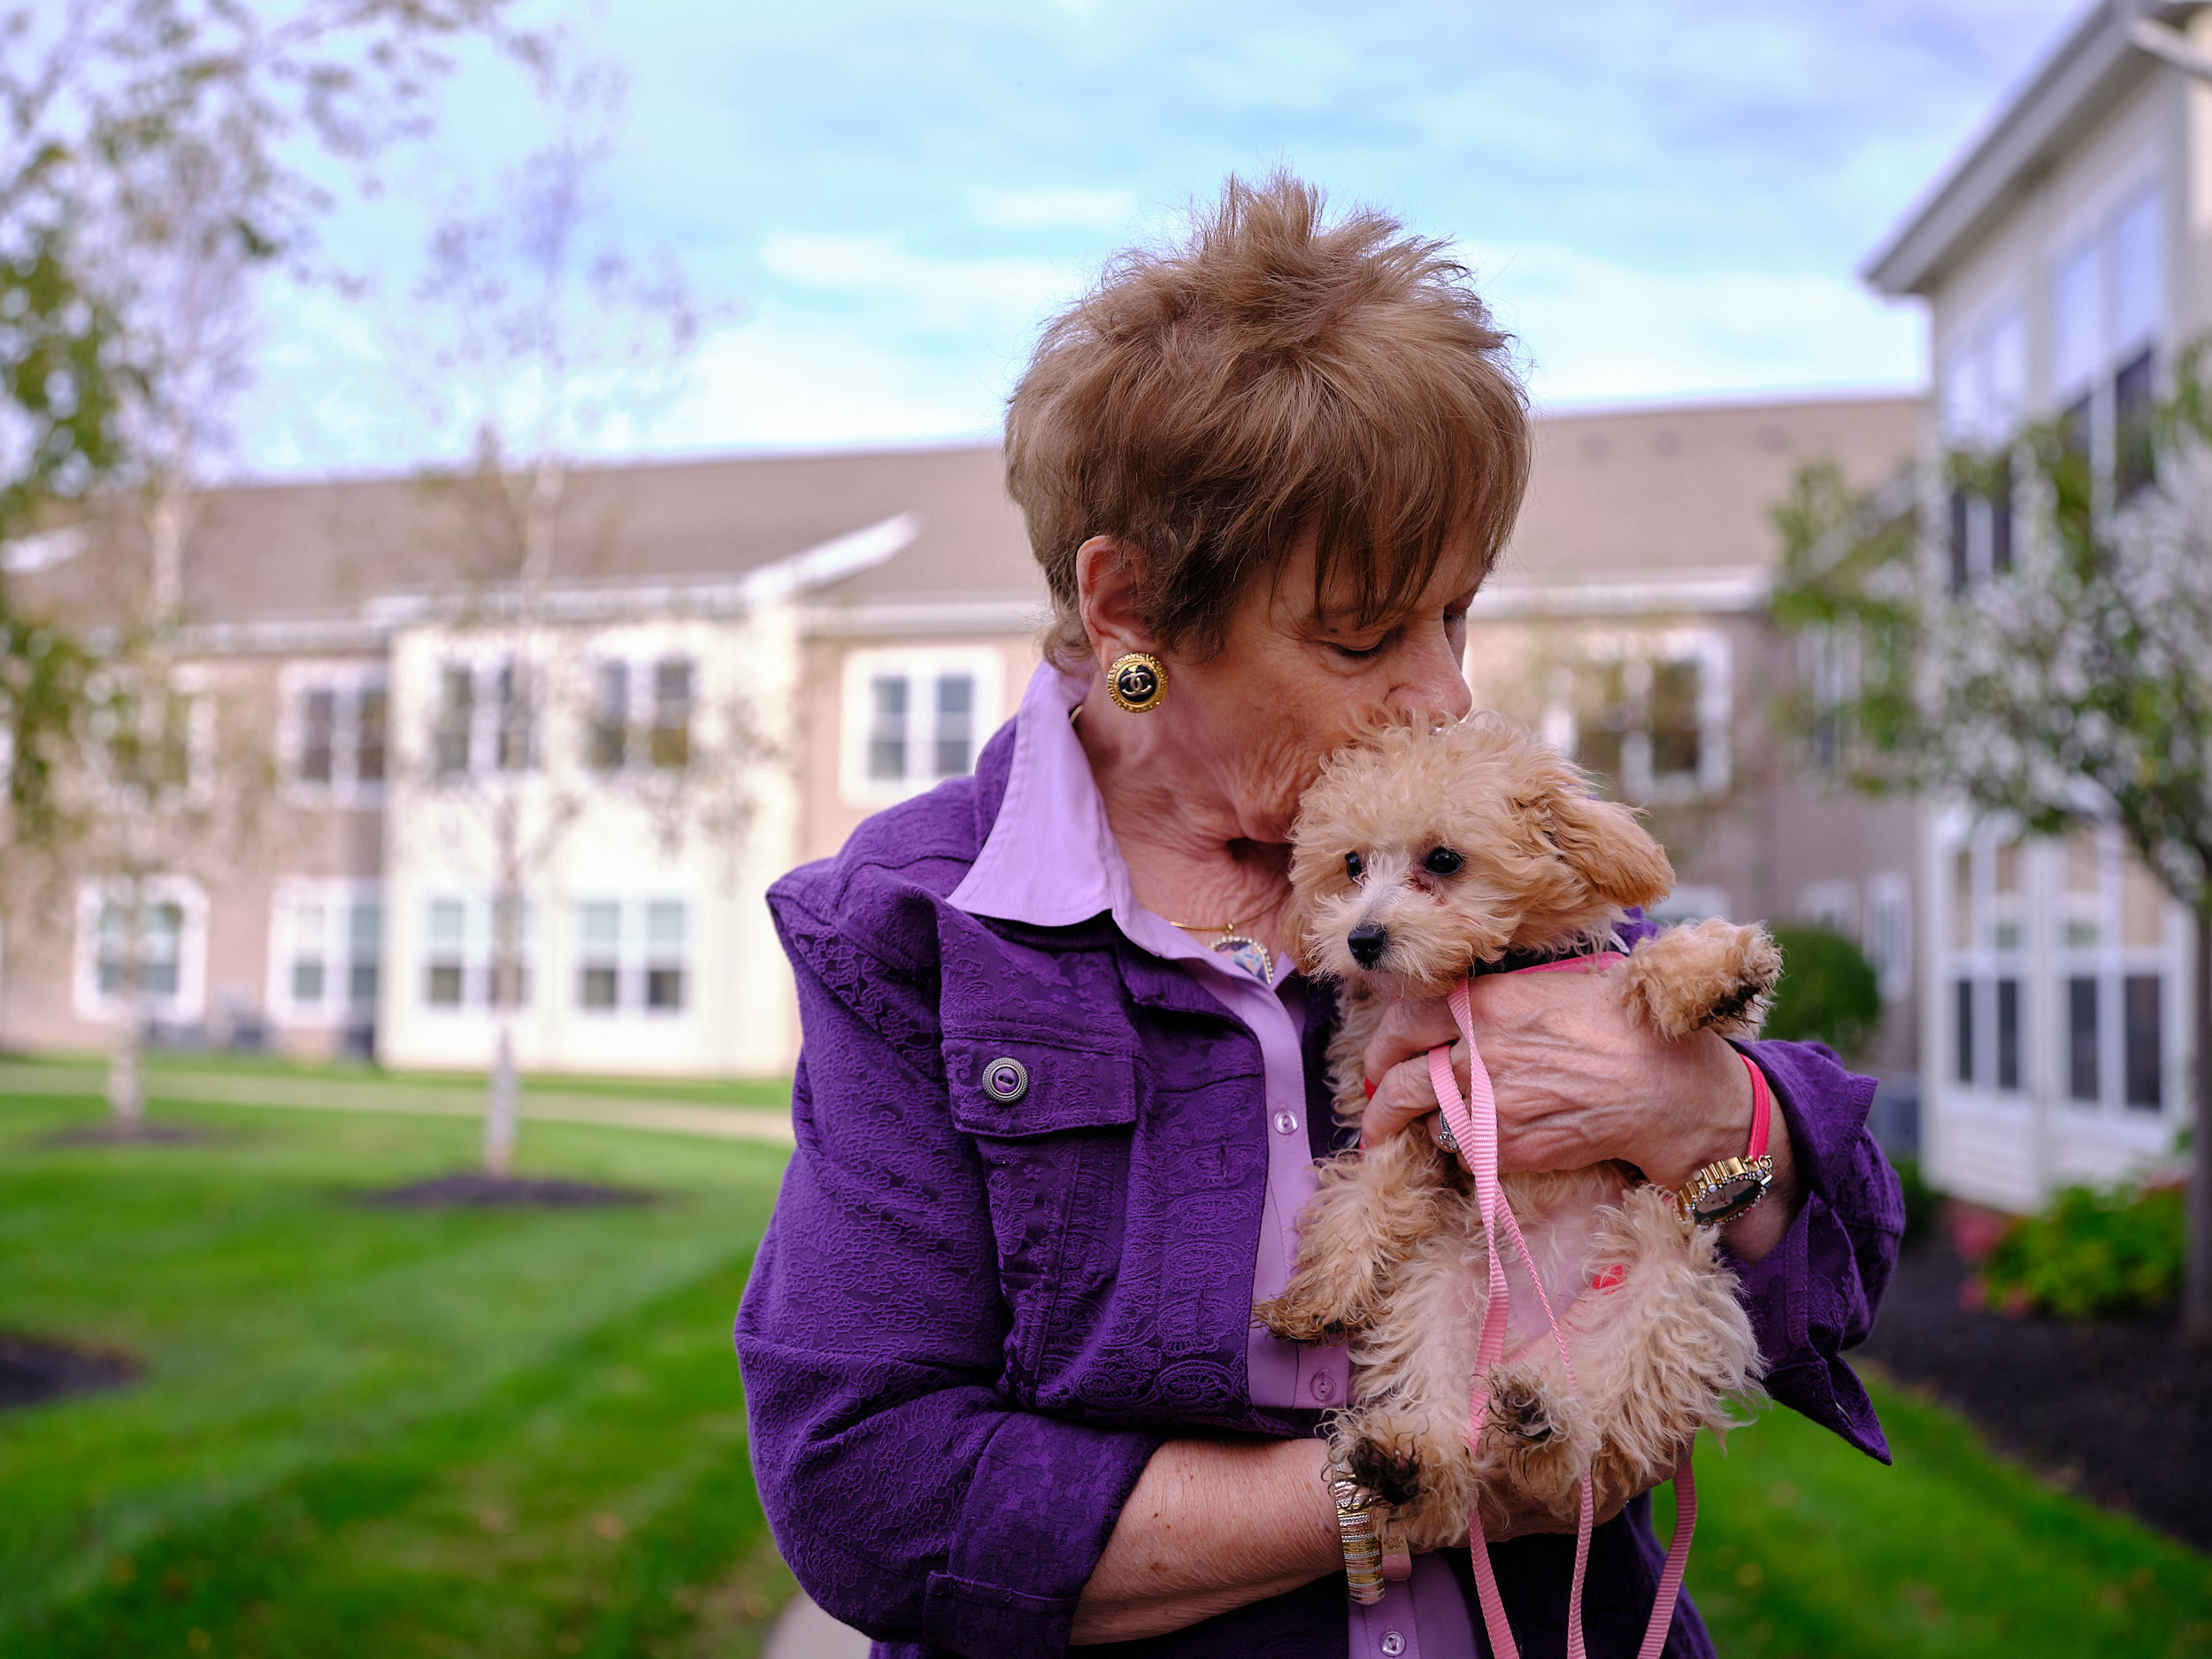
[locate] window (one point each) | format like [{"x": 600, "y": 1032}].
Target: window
[
  {"x": 515, "y": 736},
  {"x": 664, "y": 956},
  {"x": 2009, "y": 1034},
  {"x": 914, "y": 718},
  {"x": 1650, "y": 716},
  {"x": 2134, "y": 427},
  {"x": 609, "y": 742},
  {"x": 622, "y": 733},
  {"x": 1886, "y": 932},
  {"x": 2082, "y": 1056},
  {"x": 2077, "y": 317},
  {"x": 599, "y": 957},
  {"x": 445, "y": 983},
  {"x": 2139, "y": 276},
  {"x": 670, "y": 745},
  {"x": 456, "y": 731},
  {"x": 631, "y": 955},
  {"x": 325, "y": 940},
  {"x": 2146, "y": 1066},
  {"x": 333, "y": 743},
  {"x": 1962, "y": 1030},
  {"x": 168, "y": 945}
]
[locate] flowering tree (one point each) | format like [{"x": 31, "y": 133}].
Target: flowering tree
[{"x": 2074, "y": 687}]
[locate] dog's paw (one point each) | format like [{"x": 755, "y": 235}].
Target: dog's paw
[
  {"x": 1389, "y": 1468},
  {"x": 1297, "y": 1318},
  {"x": 1713, "y": 976},
  {"x": 1521, "y": 1413}
]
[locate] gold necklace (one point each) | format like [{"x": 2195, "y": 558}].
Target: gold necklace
[{"x": 1247, "y": 952}]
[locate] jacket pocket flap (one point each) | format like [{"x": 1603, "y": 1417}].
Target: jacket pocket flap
[{"x": 1019, "y": 1085}]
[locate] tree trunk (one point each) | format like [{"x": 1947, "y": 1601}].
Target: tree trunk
[
  {"x": 2197, "y": 1299},
  {"x": 500, "y": 1105},
  {"x": 126, "y": 1093}
]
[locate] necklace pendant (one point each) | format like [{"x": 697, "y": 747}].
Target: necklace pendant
[{"x": 1249, "y": 955}]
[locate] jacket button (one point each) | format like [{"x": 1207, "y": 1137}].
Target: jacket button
[
  {"x": 1006, "y": 1079},
  {"x": 1286, "y": 1122},
  {"x": 1393, "y": 1643},
  {"x": 1325, "y": 1386}
]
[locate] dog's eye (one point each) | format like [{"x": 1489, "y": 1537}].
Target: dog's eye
[
  {"x": 1355, "y": 866},
  {"x": 1442, "y": 862}
]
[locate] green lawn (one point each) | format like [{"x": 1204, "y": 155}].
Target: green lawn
[
  {"x": 363, "y": 1432},
  {"x": 373, "y": 1432}
]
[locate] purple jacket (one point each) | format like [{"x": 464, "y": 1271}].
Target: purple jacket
[{"x": 972, "y": 1322}]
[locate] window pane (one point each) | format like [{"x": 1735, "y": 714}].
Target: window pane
[
  {"x": 2133, "y": 457},
  {"x": 887, "y": 728},
  {"x": 610, "y": 740},
  {"x": 672, "y": 711},
  {"x": 369, "y": 737},
  {"x": 2009, "y": 1033},
  {"x": 361, "y": 983},
  {"x": 365, "y": 929},
  {"x": 598, "y": 986},
  {"x": 307, "y": 979},
  {"x": 2142, "y": 905},
  {"x": 2145, "y": 1041},
  {"x": 1962, "y": 1031},
  {"x": 444, "y": 987},
  {"x": 1963, "y": 898},
  {"x": 2138, "y": 278},
  {"x": 449, "y": 924},
  {"x": 515, "y": 740},
  {"x": 602, "y": 921},
  {"x": 1601, "y": 716},
  {"x": 318, "y": 728},
  {"x": 457, "y": 713},
  {"x": 1960, "y": 571},
  {"x": 665, "y": 988},
  {"x": 1674, "y": 718},
  {"x": 2081, "y": 1038},
  {"x": 956, "y": 716},
  {"x": 2000, "y": 517},
  {"x": 665, "y": 928},
  {"x": 2076, "y": 337}
]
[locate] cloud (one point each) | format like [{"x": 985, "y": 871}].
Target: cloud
[
  {"x": 931, "y": 292},
  {"x": 1595, "y": 329},
  {"x": 1053, "y": 207}
]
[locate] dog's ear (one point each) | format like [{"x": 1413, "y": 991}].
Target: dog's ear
[{"x": 1609, "y": 848}]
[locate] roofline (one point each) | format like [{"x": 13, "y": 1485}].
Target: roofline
[
  {"x": 1729, "y": 402},
  {"x": 2102, "y": 58}
]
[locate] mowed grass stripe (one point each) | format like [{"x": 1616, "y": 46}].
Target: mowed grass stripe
[{"x": 291, "y": 1332}]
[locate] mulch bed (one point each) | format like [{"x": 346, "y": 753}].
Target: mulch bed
[
  {"x": 2119, "y": 1411},
  {"x": 33, "y": 1370},
  {"x": 456, "y": 1190}
]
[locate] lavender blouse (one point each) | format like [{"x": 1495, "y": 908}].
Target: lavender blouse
[{"x": 989, "y": 1292}]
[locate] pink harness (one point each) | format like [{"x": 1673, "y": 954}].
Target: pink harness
[{"x": 1475, "y": 1126}]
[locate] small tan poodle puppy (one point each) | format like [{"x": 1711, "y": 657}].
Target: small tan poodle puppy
[{"x": 1420, "y": 854}]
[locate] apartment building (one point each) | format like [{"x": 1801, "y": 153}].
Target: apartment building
[
  {"x": 2065, "y": 258},
  {"x": 558, "y": 807}
]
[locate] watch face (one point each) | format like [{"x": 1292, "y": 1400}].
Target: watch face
[{"x": 1725, "y": 1198}]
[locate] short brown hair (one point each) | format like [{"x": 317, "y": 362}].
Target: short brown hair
[{"x": 1209, "y": 404}]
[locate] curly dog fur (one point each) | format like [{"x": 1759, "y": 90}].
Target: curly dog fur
[{"x": 1422, "y": 853}]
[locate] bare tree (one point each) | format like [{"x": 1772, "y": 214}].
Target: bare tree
[{"x": 539, "y": 332}]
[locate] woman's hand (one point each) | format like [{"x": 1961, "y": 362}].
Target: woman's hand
[{"x": 1578, "y": 1082}]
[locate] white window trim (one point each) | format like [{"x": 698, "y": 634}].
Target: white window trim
[
  {"x": 642, "y": 664},
  {"x": 348, "y": 680},
  {"x": 190, "y": 1002},
  {"x": 338, "y": 897},
  {"x": 1709, "y": 648},
  {"x": 2094, "y": 223},
  {"x": 1889, "y": 890},
  {"x": 484, "y": 659},
  {"x": 984, "y": 664},
  {"x": 476, "y": 957}
]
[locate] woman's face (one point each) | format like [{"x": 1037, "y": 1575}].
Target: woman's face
[{"x": 1291, "y": 683}]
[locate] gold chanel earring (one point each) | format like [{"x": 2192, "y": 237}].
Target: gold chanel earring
[{"x": 1137, "y": 682}]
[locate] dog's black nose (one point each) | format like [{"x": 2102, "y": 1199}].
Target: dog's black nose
[{"x": 1368, "y": 941}]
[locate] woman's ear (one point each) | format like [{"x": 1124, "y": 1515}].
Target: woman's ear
[
  {"x": 1105, "y": 597},
  {"x": 1609, "y": 850}
]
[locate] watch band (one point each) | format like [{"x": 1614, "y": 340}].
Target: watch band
[{"x": 1723, "y": 1191}]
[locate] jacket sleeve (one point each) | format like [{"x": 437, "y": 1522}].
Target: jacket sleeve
[
  {"x": 1816, "y": 1293},
  {"x": 910, "y": 1499}
]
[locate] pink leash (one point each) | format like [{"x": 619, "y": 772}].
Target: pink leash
[{"x": 1475, "y": 1126}]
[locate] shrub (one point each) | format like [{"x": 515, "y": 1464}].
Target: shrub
[
  {"x": 1922, "y": 1202},
  {"x": 1829, "y": 991},
  {"x": 2090, "y": 1253}
]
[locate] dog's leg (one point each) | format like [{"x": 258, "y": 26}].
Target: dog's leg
[
  {"x": 1364, "y": 1219},
  {"x": 1717, "y": 975}
]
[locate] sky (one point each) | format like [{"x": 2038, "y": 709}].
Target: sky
[{"x": 882, "y": 202}]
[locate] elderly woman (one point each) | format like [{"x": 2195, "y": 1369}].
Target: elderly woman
[{"x": 1061, "y": 1090}]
